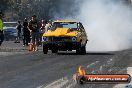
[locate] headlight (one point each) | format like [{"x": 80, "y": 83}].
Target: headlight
[
  {"x": 74, "y": 39},
  {"x": 44, "y": 39}
]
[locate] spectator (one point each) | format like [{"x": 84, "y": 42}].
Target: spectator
[
  {"x": 26, "y": 33},
  {"x": 48, "y": 25},
  {"x": 42, "y": 30},
  {"x": 1, "y": 28},
  {"x": 34, "y": 31},
  {"x": 18, "y": 28}
]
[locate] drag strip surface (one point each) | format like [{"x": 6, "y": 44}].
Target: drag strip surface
[{"x": 36, "y": 70}]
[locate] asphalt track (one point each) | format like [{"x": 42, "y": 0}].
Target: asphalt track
[{"x": 22, "y": 69}]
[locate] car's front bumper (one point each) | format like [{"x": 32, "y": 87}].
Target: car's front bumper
[{"x": 62, "y": 45}]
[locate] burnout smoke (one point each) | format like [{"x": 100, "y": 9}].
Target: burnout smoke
[{"x": 108, "y": 24}]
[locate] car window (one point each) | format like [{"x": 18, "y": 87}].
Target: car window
[
  {"x": 81, "y": 26},
  {"x": 71, "y": 25}
]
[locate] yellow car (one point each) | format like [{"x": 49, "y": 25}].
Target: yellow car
[{"x": 65, "y": 35}]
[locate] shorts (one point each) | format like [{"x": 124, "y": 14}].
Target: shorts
[
  {"x": 19, "y": 34},
  {"x": 35, "y": 38}
]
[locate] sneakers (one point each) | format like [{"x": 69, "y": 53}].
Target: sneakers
[{"x": 35, "y": 49}]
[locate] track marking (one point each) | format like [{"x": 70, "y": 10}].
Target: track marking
[
  {"x": 56, "y": 84},
  {"x": 92, "y": 64}
]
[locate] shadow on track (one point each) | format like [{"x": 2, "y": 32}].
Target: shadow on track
[
  {"x": 88, "y": 53},
  {"x": 100, "y": 53}
]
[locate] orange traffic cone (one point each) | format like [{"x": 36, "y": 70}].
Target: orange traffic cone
[
  {"x": 30, "y": 47},
  {"x": 33, "y": 47}
]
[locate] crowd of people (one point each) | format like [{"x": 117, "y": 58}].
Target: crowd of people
[{"x": 30, "y": 31}]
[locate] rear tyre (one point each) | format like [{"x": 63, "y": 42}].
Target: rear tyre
[
  {"x": 45, "y": 49},
  {"x": 83, "y": 50},
  {"x": 78, "y": 50}
]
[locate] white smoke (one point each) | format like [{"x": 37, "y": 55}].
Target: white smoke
[{"x": 108, "y": 24}]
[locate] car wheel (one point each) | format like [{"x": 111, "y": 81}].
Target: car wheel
[
  {"x": 78, "y": 50},
  {"x": 45, "y": 49},
  {"x": 83, "y": 50}
]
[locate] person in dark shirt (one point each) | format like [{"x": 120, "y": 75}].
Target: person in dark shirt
[
  {"x": 26, "y": 33},
  {"x": 18, "y": 28},
  {"x": 34, "y": 31}
]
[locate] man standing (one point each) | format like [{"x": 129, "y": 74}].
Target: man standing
[
  {"x": 18, "y": 28},
  {"x": 26, "y": 33},
  {"x": 48, "y": 25},
  {"x": 1, "y": 28},
  {"x": 42, "y": 30},
  {"x": 34, "y": 31}
]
